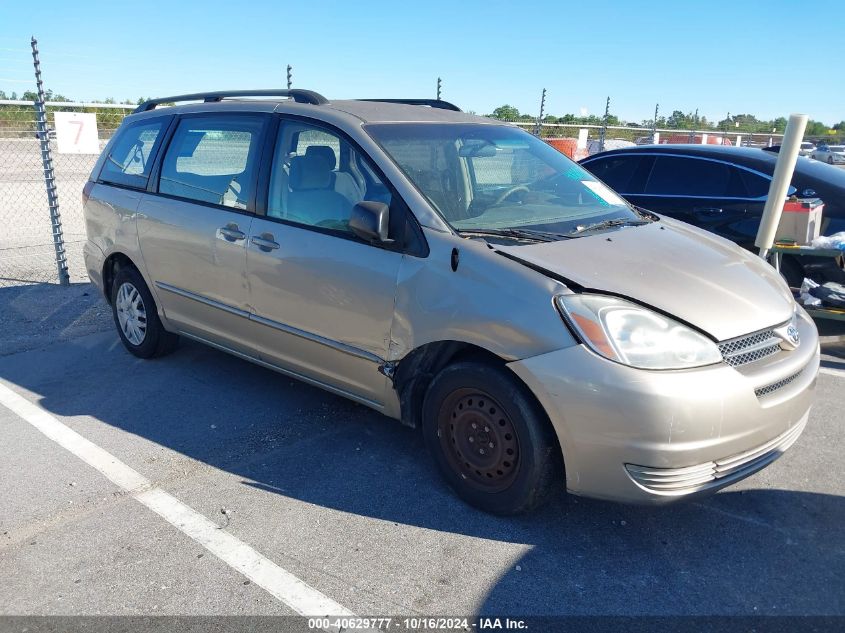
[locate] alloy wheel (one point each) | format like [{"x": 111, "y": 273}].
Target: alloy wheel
[{"x": 131, "y": 313}]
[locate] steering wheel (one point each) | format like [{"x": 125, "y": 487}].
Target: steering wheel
[{"x": 508, "y": 193}]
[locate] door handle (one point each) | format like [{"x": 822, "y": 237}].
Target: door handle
[
  {"x": 230, "y": 233},
  {"x": 266, "y": 242}
]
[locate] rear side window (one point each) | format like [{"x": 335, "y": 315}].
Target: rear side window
[
  {"x": 130, "y": 158},
  {"x": 678, "y": 176},
  {"x": 617, "y": 172},
  {"x": 213, "y": 160}
]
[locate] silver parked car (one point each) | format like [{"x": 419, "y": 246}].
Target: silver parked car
[
  {"x": 459, "y": 275},
  {"x": 807, "y": 148},
  {"x": 831, "y": 154}
]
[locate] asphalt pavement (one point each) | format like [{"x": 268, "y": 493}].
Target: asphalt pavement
[{"x": 348, "y": 503}]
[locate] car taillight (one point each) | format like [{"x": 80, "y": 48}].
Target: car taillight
[{"x": 86, "y": 191}]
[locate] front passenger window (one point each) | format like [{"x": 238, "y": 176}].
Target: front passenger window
[
  {"x": 317, "y": 177},
  {"x": 212, "y": 159}
]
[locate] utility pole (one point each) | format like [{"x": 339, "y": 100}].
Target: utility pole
[
  {"x": 538, "y": 125},
  {"x": 439, "y": 84},
  {"x": 49, "y": 174},
  {"x": 290, "y": 81},
  {"x": 603, "y": 132}
]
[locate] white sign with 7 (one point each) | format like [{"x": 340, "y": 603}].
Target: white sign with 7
[{"x": 76, "y": 133}]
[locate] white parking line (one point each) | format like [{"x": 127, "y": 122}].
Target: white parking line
[
  {"x": 278, "y": 582},
  {"x": 839, "y": 373}
]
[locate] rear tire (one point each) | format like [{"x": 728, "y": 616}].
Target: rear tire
[
  {"x": 498, "y": 452},
  {"x": 136, "y": 317}
]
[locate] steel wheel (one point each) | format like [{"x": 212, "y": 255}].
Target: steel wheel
[
  {"x": 479, "y": 440},
  {"x": 131, "y": 313}
]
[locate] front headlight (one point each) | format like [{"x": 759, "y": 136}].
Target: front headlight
[{"x": 632, "y": 335}]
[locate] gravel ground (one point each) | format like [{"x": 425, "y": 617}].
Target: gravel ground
[{"x": 38, "y": 315}]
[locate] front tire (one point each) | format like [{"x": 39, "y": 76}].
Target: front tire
[
  {"x": 136, "y": 317},
  {"x": 498, "y": 452}
]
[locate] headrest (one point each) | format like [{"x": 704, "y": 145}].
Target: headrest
[
  {"x": 324, "y": 151},
  {"x": 310, "y": 172}
]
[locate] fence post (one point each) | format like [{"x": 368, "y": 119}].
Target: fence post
[
  {"x": 49, "y": 174},
  {"x": 603, "y": 131},
  {"x": 538, "y": 126},
  {"x": 655, "y": 137}
]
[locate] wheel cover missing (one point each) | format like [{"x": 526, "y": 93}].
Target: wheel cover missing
[{"x": 478, "y": 439}]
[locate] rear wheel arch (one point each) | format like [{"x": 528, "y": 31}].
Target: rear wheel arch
[{"x": 111, "y": 266}]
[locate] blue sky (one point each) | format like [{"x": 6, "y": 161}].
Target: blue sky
[{"x": 759, "y": 57}]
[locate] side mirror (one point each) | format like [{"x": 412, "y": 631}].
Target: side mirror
[{"x": 369, "y": 221}]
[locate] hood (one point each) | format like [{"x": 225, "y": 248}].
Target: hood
[{"x": 696, "y": 276}]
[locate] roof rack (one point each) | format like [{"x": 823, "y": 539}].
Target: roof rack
[
  {"x": 298, "y": 95},
  {"x": 431, "y": 103}
]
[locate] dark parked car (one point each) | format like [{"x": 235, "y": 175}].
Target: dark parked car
[{"x": 721, "y": 189}]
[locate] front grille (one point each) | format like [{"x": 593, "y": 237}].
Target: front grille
[
  {"x": 681, "y": 481},
  {"x": 748, "y": 349},
  {"x": 780, "y": 384}
]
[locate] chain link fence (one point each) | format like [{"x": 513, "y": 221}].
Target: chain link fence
[
  {"x": 564, "y": 137},
  {"x": 27, "y": 250}
]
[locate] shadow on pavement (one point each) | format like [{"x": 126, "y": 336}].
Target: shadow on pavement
[
  {"x": 33, "y": 315},
  {"x": 779, "y": 550}
]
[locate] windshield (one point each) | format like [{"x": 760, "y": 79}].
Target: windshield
[
  {"x": 837, "y": 148},
  {"x": 499, "y": 178}
]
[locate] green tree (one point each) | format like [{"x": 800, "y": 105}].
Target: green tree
[
  {"x": 49, "y": 95},
  {"x": 816, "y": 128},
  {"x": 505, "y": 112},
  {"x": 678, "y": 120}
]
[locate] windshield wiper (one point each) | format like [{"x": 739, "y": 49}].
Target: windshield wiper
[
  {"x": 519, "y": 234},
  {"x": 606, "y": 224}
]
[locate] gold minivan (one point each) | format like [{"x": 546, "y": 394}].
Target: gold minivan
[{"x": 457, "y": 274}]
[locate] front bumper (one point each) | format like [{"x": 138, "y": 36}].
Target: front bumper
[{"x": 642, "y": 436}]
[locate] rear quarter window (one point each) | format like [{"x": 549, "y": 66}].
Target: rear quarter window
[
  {"x": 130, "y": 158},
  {"x": 620, "y": 173}
]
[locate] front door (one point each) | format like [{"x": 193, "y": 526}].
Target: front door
[{"x": 322, "y": 298}]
